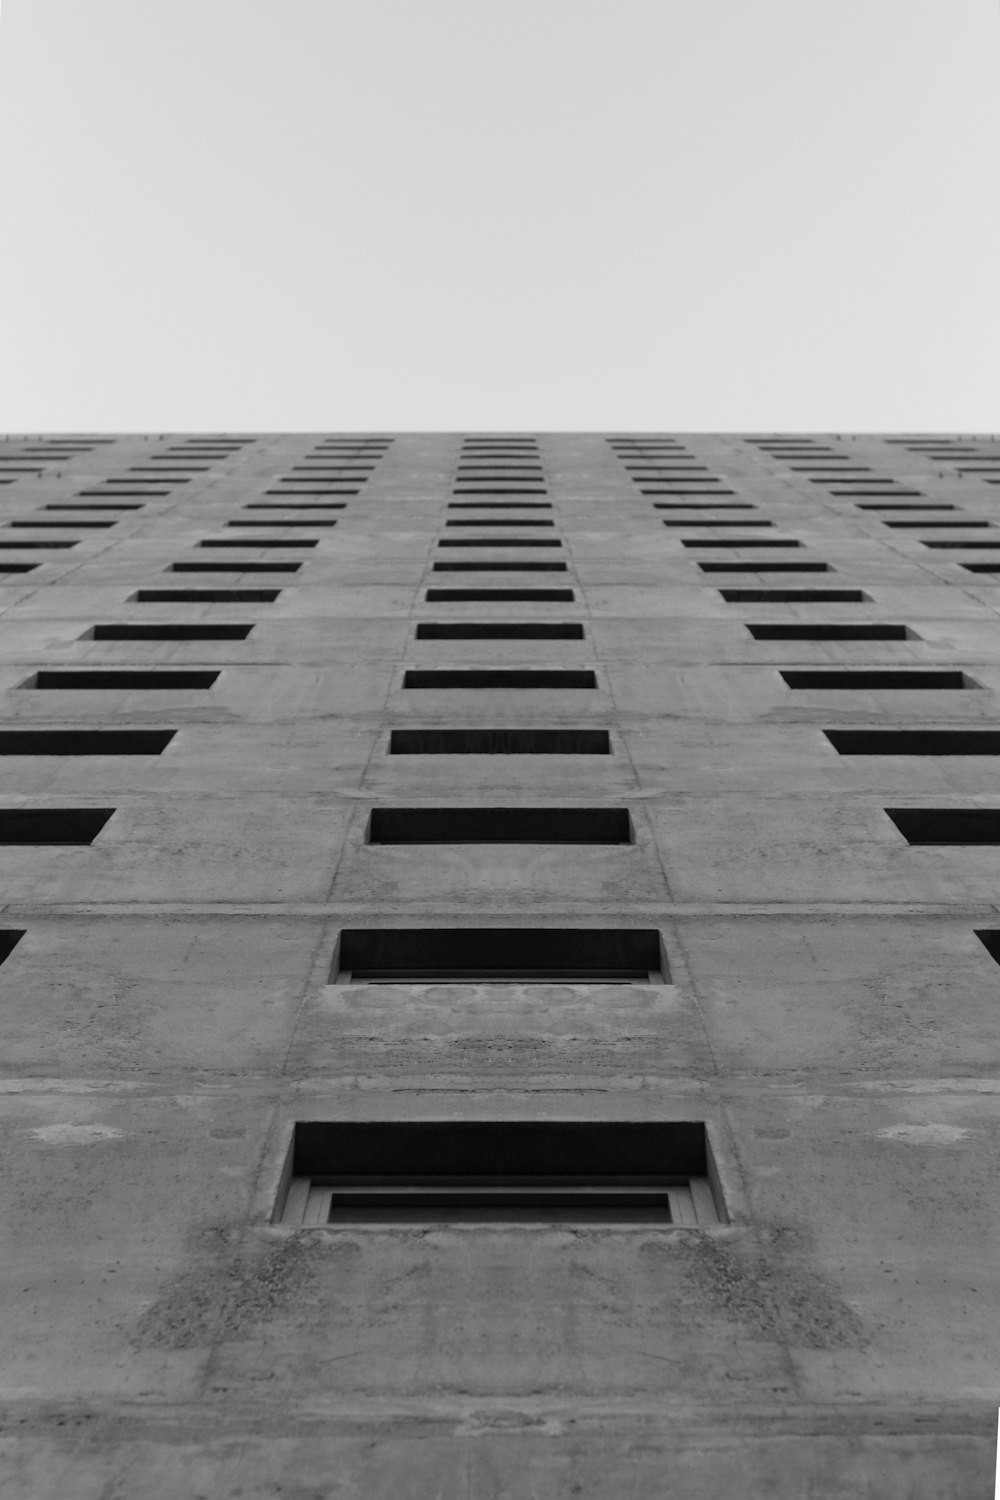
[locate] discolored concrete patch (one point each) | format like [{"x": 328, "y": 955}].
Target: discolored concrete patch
[{"x": 761, "y": 1287}]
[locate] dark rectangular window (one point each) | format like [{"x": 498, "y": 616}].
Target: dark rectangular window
[
  {"x": 89, "y": 508},
  {"x": 234, "y": 567},
  {"x": 498, "y": 521},
  {"x": 877, "y": 680},
  {"x": 914, "y": 741},
  {"x": 9, "y": 939},
  {"x": 968, "y": 544},
  {"x": 939, "y": 525},
  {"x": 705, "y": 505},
  {"x": 259, "y": 541},
  {"x": 52, "y": 825},
  {"x": 284, "y": 521},
  {"x": 500, "y": 825},
  {"x": 499, "y": 630},
  {"x": 806, "y": 632},
  {"x": 500, "y": 596},
  {"x": 499, "y": 505},
  {"x": 498, "y": 955},
  {"x": 981, "y": 567},
  {"x": 32, "y": 742},
  {"x": 498, "y": 677},
  {"x": 765, "y": 566},
  {"x": 49, "y": 546},
  {"x": 499, "y": 541},
  {"x": 717, "y": 524},
  {"x": 947, "y": 825},
  {"x": 206, "y": 596},
  {"x": 168, "y": 633},
  {"x": 911, "y": 509},
  {"x": 479, "y": 490},
  {"x": 61, "y": 525},
  {"x": 501, "y": 742},
  {"x": 159, "y": 680},
  {"x": 12, "y": 567},
  {"x": 736, "y": 541},
  {"x": 289, "y": 505},
  {"x": 794, "y": 596},
  {"x": 500, "y": 567},
  {"x": 543, "y": 1172},
  {"x": 990, "y": 939}
]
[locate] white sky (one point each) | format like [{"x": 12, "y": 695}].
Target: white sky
[{"x": 475, "y": 214}]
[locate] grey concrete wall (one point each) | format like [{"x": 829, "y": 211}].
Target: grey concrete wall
[{"x": 831, "y": 1013}]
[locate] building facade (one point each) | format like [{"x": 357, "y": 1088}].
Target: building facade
[{"x": 499, "y": 965}]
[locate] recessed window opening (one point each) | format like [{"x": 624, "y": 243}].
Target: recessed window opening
[
  {"x": 806, "y": 632},
  {"x": 674, "y": 491},
  {"x": 909, "y": 508},
  {"x": 499, "y": 505},
  {"x": 970, "y": 544},
  {"x": 764, "y": 566},
  {"x": 25, "y": 546},
  {"x": 706, "y": 505},
  {"x": 736, "y": 541},
  {"x": 947, "y": 825},
  {"x": 259, "y": 541},
  {"x": 499, "y": 955},
  {"x": 927, "y": 525},
  {"x": 712, "y": 521},
  {"x": 62, "y": 525},
  {"x": 877, "y": 679},
  {"x": 794, "y": 596},
  {"x": 234, "y": 567},
  {"x": 286, "y": 521},
  {"x": 161, "y": 680},
  {"x": 990, "y": 939},
  {"x": 914, "y": 741},
  {"x": 313, "y": 491},
  {"x": 500, "y": 825},
  {"x": 547, "y": 1172},
  {"x": 52, "y": 825},
  {"x": 289, "y": 505},
  {"x": 86, "y": 508},
  {"x": 496, "y": 566},
  {"x": 6, "y": 567},
  {"x": 481, "y": 678},
  {"x": 466, "y": 490},
  {"x": 501, "y": 742},
  {"x": 497, "y": 521},
  {"x": 179, "y": 632},
  {"x": 119, "y": 494},
  {"x": 9, "y": 939},
  {"x": 206, "y": 596},
  {"x": 500, "y": 630},
  {"x": 31, "y": 742},
  {"x": 499, "y": 541},
  {"x": 981, "y": 567},
  {"x": 500, "y": 596}
]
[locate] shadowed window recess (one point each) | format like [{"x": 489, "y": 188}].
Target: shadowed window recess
[
  {"x": 499, "y": 955},
  {"x": 500, "y": 825},
  {"x": 500, "y": 1172}
]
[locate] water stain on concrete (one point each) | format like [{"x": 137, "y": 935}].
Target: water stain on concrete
[
  {"x": 228, "y": 1297},
  {"x": 923, "y": 1135},
  {"x": 768, "y": 1291}
]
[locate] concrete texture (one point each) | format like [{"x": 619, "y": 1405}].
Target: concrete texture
[{"x": 831, "y": 1014}]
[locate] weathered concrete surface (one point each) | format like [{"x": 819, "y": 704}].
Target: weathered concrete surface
[{"x": 830, "y": 1011}]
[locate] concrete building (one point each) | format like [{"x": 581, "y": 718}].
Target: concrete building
[{"x": 500, "y": 966}]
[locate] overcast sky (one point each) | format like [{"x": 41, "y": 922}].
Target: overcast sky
[{"x": 475, "y": 214}]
